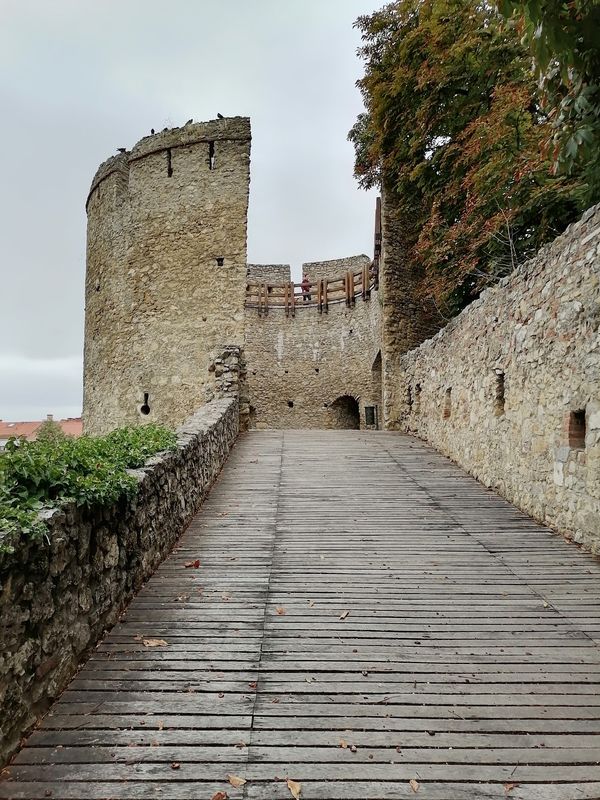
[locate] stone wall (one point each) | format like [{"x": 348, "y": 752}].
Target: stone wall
[
  {"x": 407, "y": 320},
  {"x": 59, "y": 594},
  {"x": 166, "y": 272},
  {"x": 297, "y": 367},
  {"x": 510, "y": 389},
  {"x": 269, "y": 273},
  {"x": 334, "y": 268}
]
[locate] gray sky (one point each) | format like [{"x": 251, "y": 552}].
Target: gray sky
[{"x": 79, "y": 78}]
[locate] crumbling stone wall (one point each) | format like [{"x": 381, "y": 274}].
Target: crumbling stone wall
[
  {"x": 269, "y": 273},
  {"x": 334, "y": 268},
  {"x": 510, "y": 389},
  {"x": 166, "y": 271},
  {"x": 59, "y": 594},
  {"x": 297, "y": 367}
]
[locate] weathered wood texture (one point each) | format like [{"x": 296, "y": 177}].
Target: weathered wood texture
[{"x": 364, "y": 614}]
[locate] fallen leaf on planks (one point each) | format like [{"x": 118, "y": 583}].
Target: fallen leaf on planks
[
  {"x": 343, "y": 744},
  {"x": 194, "y": 564},
  {"x": 295, "y": 788},
  {"x": 508, "y": 787},
  {"x": 235, "y": 781},
  {"x": 280, "y": 610},
  {"x": 220, "y": 796},
  {"x": 154, "y": 643},
  {"x": 175, "y": 765},
  {"x": 414, "y": 784},
  {"x": 353, "y": 748},
  {"x": 344, "y": 614}
]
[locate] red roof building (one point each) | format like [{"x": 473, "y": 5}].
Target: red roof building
[{"x": 72, "y": 426}]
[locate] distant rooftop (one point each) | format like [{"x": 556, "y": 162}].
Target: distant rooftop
[{"x": 72, "y": 426}]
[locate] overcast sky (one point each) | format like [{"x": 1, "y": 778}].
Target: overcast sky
[{"x": 80, "y": 78}]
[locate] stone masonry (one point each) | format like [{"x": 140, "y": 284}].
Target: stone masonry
[
  {"x": 61, "y": 592},
  {"x": 510, "y": 389},
  {"x": 298, "y": 367},
  {"x": 166, "y": 271}
]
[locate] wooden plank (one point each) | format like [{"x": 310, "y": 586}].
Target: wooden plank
[{"x": 354, "y": 587}]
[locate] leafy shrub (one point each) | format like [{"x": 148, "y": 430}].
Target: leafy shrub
[{"x": 87, "y": 470}]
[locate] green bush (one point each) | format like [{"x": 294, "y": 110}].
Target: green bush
[{"x": 87, "y": 470}]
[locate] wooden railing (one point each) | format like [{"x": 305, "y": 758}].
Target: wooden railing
[{"x": 319, "y": 293}]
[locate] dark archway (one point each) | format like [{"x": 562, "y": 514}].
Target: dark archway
[{"x": 345, "y": 412}]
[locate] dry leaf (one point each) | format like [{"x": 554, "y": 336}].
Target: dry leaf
[
  {"x": 414, "y": 784},
  {"x": 195, "y": 564},
  {"x": 311, "y": 603},
  {"x": 235, "y": 781},
  {"x": 221, "y": 694},
  {"x": 295, "y": 788},
  {"x": 353, "y": 748},
  {"x": 182, "y": 598},
  {"x": 508, "y": 787},
  {"x": 280, "y": 610},
  {"x": 252, "y": 685},
  {"x": 344, "y": 614},
  {"x": 154, "y": 643},
  {"x": 220, "y": 796},
  {"x": 343, "y": 744},
  {"x": 175, "y": 765}
]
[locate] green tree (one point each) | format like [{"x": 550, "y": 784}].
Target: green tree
[
  {"x": 455, "y": 134},
  {"x": 565, "y": 41},
  {"x": 50, "y": 431}
]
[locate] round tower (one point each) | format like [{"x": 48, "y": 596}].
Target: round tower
[{"x": 166, "y": 272}]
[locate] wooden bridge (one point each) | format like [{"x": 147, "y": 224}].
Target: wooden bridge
[{"x": 349, "y": 617}]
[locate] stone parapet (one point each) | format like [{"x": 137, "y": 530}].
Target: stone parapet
[{"x": 61, "y": 592}]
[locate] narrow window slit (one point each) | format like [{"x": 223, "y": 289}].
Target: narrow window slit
[
  {"x": 447, "y": 412},
  {"x": 211, "y": 155},
  {"x": 145, "y": 409},
  {"x": 499, "y": 401},
  {"x": 577, "y": 429},
  {"x": 169, "y": 164}
]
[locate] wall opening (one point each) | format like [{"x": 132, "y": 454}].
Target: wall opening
[
  {"x": 577, "y": 429},
  {"x": 447, "y": 410},
  {"x": 345, "y": 413},
  {"x": 220, "y": 261},
  {"x": 409, "y": 399},
  {"x": 211, "y": 155},
  {"x": 371, "y": 416},
  {"x": 376, "y": 382},
  {"x": 499, "y": 401},
  {"x": 169, "y": 164},
  {"x": 290, "y": 403},
  {"x": 145, "y": 408},
  {"x": 417, "y": 402}
]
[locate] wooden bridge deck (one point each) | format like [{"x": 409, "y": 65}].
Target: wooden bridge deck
[{"x": 364, "y": 615}]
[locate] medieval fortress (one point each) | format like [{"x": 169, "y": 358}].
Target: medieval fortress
[{"x": 510, "y": 389}]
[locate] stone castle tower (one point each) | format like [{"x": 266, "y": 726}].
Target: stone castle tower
[{"x": 166, "y": 271}]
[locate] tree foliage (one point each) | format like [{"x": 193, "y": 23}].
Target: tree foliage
[
  {"x": 91, "y": 469},
  {"x": 49, "y": 431},
  {"x": 454, "y": 132},
  {"x": 565, "y": 41}
]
